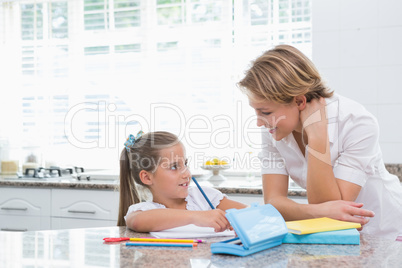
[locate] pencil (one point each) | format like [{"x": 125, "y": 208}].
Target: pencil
[
  {"x": 202, "y": 192},
  {"x": 152, "y": 244},
  {"x": 154, "y": 239}
]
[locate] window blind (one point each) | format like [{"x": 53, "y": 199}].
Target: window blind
[{"x": 89, "y": 72}]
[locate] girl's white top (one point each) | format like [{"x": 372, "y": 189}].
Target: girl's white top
[
  {"x": 355, "y": 157},
  {"x": 195, "y": 201}
]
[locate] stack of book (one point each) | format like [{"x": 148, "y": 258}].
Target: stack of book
[{"x": 322, "y": 231}]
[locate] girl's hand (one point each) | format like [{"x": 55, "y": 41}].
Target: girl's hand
[
  {"x": 314, "y": 118},
  {"x": 345, "y": 211},
  {"x": 212, "y": 218}
]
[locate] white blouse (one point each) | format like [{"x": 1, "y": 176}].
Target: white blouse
[
  {"x": 356, "y": 157},
  {"x": 195, "y": 201}
]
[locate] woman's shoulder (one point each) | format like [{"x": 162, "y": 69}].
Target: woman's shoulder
[{"x": 346, "y": 109}]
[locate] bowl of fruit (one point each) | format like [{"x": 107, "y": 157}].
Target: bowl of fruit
[{"x": 216, "y": 165}]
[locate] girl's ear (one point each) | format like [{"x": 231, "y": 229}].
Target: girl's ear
[
  {"x": 145, "y": 177},
  {"x": 301, "y": 102}
]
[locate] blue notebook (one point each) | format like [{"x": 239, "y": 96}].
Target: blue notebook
[
  {"x": 258, "y": 227},
  {"x": 344, "y": 237}
]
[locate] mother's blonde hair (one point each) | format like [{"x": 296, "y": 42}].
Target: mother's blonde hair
[{"x": 282, "y": 73}]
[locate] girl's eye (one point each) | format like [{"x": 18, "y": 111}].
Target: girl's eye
[
  {"x": 267, "y": 113},
  {"x": 173, "y": 167}
]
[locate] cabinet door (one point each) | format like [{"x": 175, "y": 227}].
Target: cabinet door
[
  {"x": 71, "y": 223},
  {"x": 13, "y": 223},
  {"x": 25, "y": 201},
  {"x": 85, "y": 204}
]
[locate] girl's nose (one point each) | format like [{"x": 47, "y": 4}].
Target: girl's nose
[{"x": 186, "y": 172}]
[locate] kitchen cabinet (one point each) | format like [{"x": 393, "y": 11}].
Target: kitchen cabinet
[
  {"x": 25, "y": 209},
  {"x": 84, "y": 208}
]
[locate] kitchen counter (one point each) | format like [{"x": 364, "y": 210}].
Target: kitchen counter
[
  {"x": 233, "y": 185},
  {"x": 85, "y": 248}
]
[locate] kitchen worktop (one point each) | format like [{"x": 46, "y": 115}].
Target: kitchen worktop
[
  {"x": 85, "y": 248},
  {"x": 232, "y": 185}
]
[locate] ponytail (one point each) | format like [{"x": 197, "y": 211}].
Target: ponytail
[{"x": 128, "y": 190}]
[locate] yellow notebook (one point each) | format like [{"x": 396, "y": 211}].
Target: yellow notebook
[{"x": 319, "y": 225}]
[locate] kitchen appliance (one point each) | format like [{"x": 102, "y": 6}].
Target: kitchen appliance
[{"x": 54, "y": 172}]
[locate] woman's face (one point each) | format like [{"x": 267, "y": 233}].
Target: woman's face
[{"x": 280, "y": 119}]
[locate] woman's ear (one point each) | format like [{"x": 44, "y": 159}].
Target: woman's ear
[
  {"x": 301, "y": 102},
  {"x": 145, "y": 177}
]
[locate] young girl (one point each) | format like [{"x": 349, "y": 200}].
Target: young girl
[
  {"x": 326, "y": 143},
  {"x": 157, "y": 160}
]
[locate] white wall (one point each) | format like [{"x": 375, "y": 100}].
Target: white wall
[{"x": 357, "y": 47}]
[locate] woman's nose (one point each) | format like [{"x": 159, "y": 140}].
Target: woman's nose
[{"x": 261, "y": 121}]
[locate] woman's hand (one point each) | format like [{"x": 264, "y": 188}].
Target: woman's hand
[
  {"x": 212, "y": 218},
  {"x": 313, "y": 117},
  {"x": 345, "y": 211}
]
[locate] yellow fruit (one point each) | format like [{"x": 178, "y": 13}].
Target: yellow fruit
[
  {"x": 215, "y": 161},
  {"x": 208, "y": 163},
  {"x": 223, "y": 162}
]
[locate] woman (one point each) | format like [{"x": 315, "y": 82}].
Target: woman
[{"x": 326, "y": 143}]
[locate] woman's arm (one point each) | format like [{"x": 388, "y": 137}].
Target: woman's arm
[
  {"x": 321, "y": 181},
  {"x": 275, "y": 188},
  {"x": 162, "y": 219}
]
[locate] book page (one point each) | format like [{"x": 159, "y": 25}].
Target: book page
[{"x": 191, "y": 231}]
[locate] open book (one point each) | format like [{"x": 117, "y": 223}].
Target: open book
[{"x": 191, "y": 231}]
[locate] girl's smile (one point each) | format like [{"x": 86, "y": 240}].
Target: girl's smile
[{"x": 186, "y": 183}]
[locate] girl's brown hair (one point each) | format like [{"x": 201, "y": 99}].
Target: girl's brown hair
[
  {"x": 143, "y": 155},
  {"x": 282, "y": 73}
]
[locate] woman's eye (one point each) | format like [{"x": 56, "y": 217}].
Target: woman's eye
[
  {"x": 174, "y": 167},
  {"x": 268, "y": 113}
]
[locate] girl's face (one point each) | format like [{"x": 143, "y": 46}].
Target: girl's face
[
  {"x": 280, "y": 119},
  {"x": 171, "y": 179}
]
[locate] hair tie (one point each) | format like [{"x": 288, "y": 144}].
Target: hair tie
[{"x": 131, "y": 140}]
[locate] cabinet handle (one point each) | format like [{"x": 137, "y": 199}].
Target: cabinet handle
[
  {"x": 81, "y": 211},
  {"x": 14, "y": 230},
  {"x": 8, "y": 208}
]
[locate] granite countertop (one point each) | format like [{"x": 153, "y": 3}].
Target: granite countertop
[
  {"x": 232, "y": 185},
  {"x": 85, "y": 248}
]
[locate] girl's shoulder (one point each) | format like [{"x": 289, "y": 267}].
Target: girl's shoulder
[
  {"x": 143, "y": 206},
  {"x": 148, "y": 205}
]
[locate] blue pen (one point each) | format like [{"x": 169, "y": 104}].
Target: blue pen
[{"x": 205, "y": 196}]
